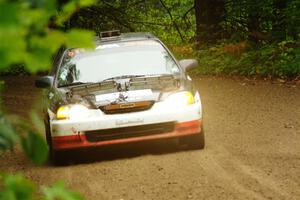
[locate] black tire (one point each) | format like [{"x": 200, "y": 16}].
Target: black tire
[
  {"x": 48, "y": 136},
  {"x": 196, "y": 141},
  {"x": 56, "y": 158}
]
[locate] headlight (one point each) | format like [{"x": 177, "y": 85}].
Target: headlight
[
  {"x": 181, "y": 98},
  {"x": 62, "y": 112},
  {"x": 72, "y": 112}
]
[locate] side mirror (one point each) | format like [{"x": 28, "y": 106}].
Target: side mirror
[
  {"x": 44, "y": 82},
  {"x": 188, "y": 64}
]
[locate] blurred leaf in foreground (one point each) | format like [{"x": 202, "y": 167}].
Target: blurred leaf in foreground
[
  {"x": 35, "y": 147},
  {"x": 8, "y": 136},
  {"x": 58, "y": 191},
  {"x": 15, "y": 187},
  {"x": 31, "y": 32}
]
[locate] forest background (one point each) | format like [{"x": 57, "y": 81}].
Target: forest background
[{"x": 253, "y": 38}]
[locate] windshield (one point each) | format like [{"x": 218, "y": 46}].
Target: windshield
[{"x": 116, "y": 60}]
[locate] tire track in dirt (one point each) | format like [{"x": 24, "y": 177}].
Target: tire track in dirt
[{"x": 251, "y": 181}]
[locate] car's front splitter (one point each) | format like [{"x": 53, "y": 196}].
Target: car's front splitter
[{"x": 80, "y": 140}]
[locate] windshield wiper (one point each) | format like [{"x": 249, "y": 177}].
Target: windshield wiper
[
  {"x": 122, "y": 77},
  {"x": 76, "y": 83}
]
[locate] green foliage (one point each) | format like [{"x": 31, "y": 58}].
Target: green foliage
[
  {"x": 8, "y": 136},
  {"x": 16, "y": 129},
  {"x": 276, "y": 60},
  {"x": 35, "y": 147},
  {"x": 173, "y": 21},
  {"x": 58, "y": 191},
  {"x": 16, "y": 187},
  {"x": 276, "y": 19},
  {"x": 293, "y": 19},
  {"x": 28, "y": 36}
]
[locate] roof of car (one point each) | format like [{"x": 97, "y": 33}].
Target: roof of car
[{"x": 126, "y": 37}]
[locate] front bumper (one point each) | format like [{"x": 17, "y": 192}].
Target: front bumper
[
  {"x": 81, "y": 141},
  {"x": 70, "y": 134}
]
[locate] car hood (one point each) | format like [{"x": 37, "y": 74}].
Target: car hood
[{"x": 117, "y": 92}]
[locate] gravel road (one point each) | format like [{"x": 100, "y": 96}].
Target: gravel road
[{"x": 252, "y": 149}]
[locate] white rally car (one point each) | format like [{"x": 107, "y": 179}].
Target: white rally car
[{"x": 129, "y": 89}]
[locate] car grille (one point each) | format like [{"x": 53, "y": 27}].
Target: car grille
[
  {"x": 129, "y": 132},
  {"x": 126, "y": 107}
]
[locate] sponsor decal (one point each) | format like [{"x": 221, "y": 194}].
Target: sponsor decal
[{"x": 129, "y": 121}]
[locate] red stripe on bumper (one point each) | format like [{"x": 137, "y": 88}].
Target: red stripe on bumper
[{"x": 79, "y": 141}]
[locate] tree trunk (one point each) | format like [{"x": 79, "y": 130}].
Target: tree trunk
[
  {"x": 279, "y": 23},
  {"x": 254, "y": 27},
  {"x": 209, "y": 15}
]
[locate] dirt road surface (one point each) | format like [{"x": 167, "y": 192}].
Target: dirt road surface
[{"x": 252, "y": 150}]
